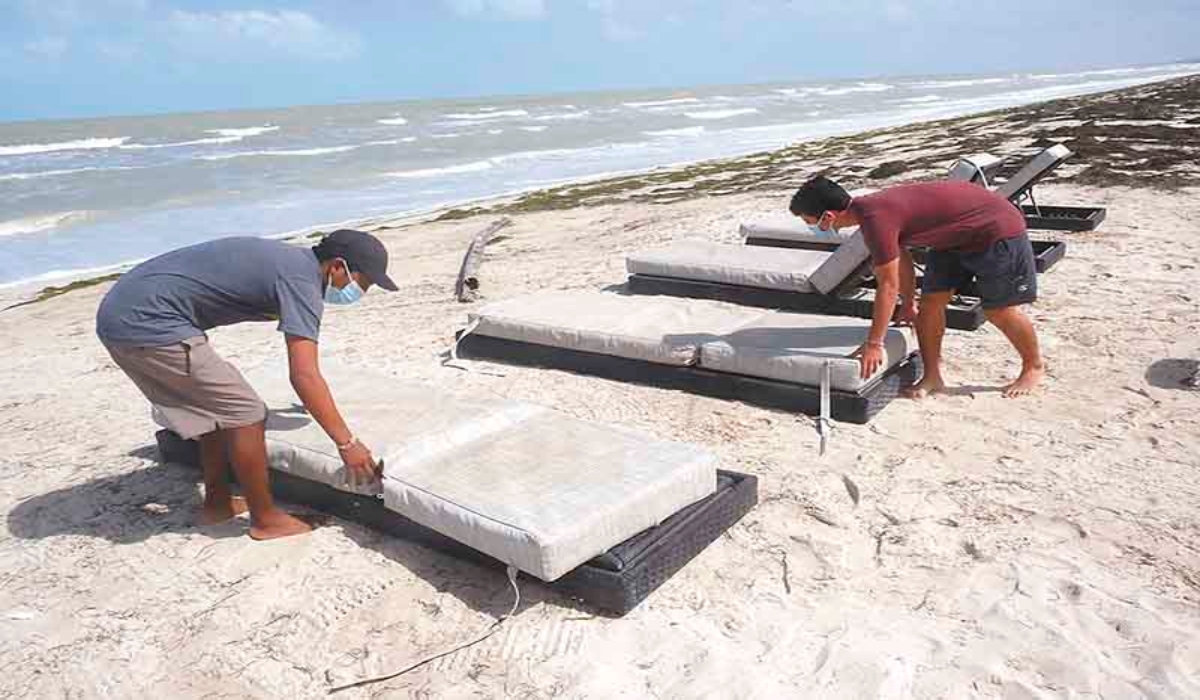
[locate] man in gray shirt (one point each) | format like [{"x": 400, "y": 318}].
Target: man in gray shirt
[{"x": 153, "y": 323}]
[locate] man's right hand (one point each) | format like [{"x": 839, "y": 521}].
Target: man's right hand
[
  {"x": 360, "y": 464},
  {"x": 906, "y": 313}
]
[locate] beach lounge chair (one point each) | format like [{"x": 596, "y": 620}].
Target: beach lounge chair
[
  {"x": 789, "y": 232},
  {"x": 601, "y": 514},
  {"x": 835, "y": 282},
  {"x": 769, "y": 358},
  {"x": 1019, "y": 188}
]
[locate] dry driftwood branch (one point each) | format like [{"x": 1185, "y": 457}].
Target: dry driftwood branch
[{"x": 466, "y": 288}]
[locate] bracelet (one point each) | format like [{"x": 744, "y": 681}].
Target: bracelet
[
  {"x": 349, "y": 443},
  {"x": 876, "y": 343}
]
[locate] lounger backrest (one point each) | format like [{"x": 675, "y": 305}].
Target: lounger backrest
[
  {"x": 1039, "y": 167},
  {"x": 845, "y": 266},
  {"x": 979, "y": 169}
]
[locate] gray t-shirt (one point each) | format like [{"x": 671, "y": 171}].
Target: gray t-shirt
[{"x": 183, "y": 293}]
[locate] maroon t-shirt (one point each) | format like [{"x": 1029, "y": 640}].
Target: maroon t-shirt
[{"x": 958, "y": 216}]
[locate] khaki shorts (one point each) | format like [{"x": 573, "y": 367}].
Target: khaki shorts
[{"x": 192, "y": 390}]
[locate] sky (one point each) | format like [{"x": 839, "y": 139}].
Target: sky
[{"x": 85, "y": 58}]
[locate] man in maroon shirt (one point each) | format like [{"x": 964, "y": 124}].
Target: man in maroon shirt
[{"x": 972, "y": 234}]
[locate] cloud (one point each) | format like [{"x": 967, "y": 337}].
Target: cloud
[
  {"x": 249, "y": 31},
  {"x": 506, "y": 9},
  {"x": 50, "y": 47},
  {"x": 612, "y": 25}
]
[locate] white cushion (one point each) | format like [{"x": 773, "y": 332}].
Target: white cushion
[
  {"x": 841, "y": 264},
  {"x": 663, "y": 330},
  {"x": 794, "y": 347},
  {"x": 791, "y": 229},
  {"x": 746, "y": 266},
  {"x": 1034, "y": 170},
  {"x": 536, "y": 489}
]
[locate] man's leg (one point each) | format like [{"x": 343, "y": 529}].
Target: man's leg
[
  {"x": 219, "y": 502},
  {"x": 1017, "y": 327},
  {"x": 248, "y": 454},
  {"x": 931, "y": 327}
]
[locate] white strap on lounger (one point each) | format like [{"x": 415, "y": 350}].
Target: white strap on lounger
[
  {"x": 453, "y": 359},
  {"x": 824, "y": 421}
]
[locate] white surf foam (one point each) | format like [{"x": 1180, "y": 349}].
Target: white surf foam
[
  {"x": 296, "y": 152},
  {"x": 852, "y": 89},
  {"x": 475, "y": 167},
  {"x": 180, "y": 144},
  {"x": 37, "y": 224},
  {"x": 564, "y": 116},
  {"x": 69, "y": 171},
  {"x": 77, "y": 145},
  {"x": 686, "y": 131},
  {"x": 245, "y": 131},
  {"x": 922, "y": 99},
  {"x": 720, "y": 113},
  {"x": 533, "y": 129},
  {"x": 662, "y": 103},
  {"x": 963, "y": 82},
  {"x": 393, "y": 121},
  {"x": 487, "y": 115}
]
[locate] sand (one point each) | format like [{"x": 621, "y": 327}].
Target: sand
[{"x": 963, "y": 547}]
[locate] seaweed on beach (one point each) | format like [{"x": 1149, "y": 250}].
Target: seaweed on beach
[{"x": 1143, "y": 136}]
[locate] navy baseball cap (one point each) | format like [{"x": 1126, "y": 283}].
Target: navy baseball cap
[{"x": 361, "y": 251}]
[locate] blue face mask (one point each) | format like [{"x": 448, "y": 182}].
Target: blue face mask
[
  {"x": 344, "y": 296},
  {"x": 822, "y": 233}
]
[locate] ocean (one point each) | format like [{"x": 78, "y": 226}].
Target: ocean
[{"x": 87, "y": 196}]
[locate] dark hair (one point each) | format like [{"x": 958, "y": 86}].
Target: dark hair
[{"x": 819, "y": 195}]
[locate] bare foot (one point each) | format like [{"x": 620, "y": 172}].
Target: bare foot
[
  {"x": 1030, "y": 378},
  {"x": 928, "y": 386},
  {"x": 276, "y": 524},
  {"x": 220, "y": 512}
]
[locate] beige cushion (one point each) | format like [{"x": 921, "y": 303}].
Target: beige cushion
[
  {"x": 663, "y": 330},
  {"x": 536, "y": 489},
  {"x": 794, "y": 347},
  {"x": 724, "y": 263}
]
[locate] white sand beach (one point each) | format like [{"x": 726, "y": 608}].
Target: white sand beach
[{"x": 966, "y": 546}]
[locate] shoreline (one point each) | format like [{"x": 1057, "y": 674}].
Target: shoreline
[{"x": 1074, "y": 119}]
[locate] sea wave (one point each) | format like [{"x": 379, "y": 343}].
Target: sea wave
[
  {"x": 662, "y": 103},
  {"x": 245, "y": 131},
  {"x": 852, "y": 89},
  {"x": 564, "y": 116},
  {"x": 76, "y": 145},
  {"x": 474, "y": 167},
  {"x": 487, "y": 115},
  {"x": 393, "y": 121},
  {"x": 37, "y": 224},
  {"x": 965, "y": 82},
  {"x": 180, "y": 144},
  {"x": 921, "y": 99},
  {"x": 68, "y": 171},
  {"x": 295, "y": 152},
  {"x": 686, "y": 131},
  {"x": 533, "y": 129},
  {"x": 720, "y": 113}
]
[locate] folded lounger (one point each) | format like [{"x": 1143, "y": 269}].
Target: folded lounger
[
  {"x": 768, "y": 358},
  {"x": 828, "y": 282},
  {"x": 602, "y": 514},
  {"x": 790, "y": 232}
]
